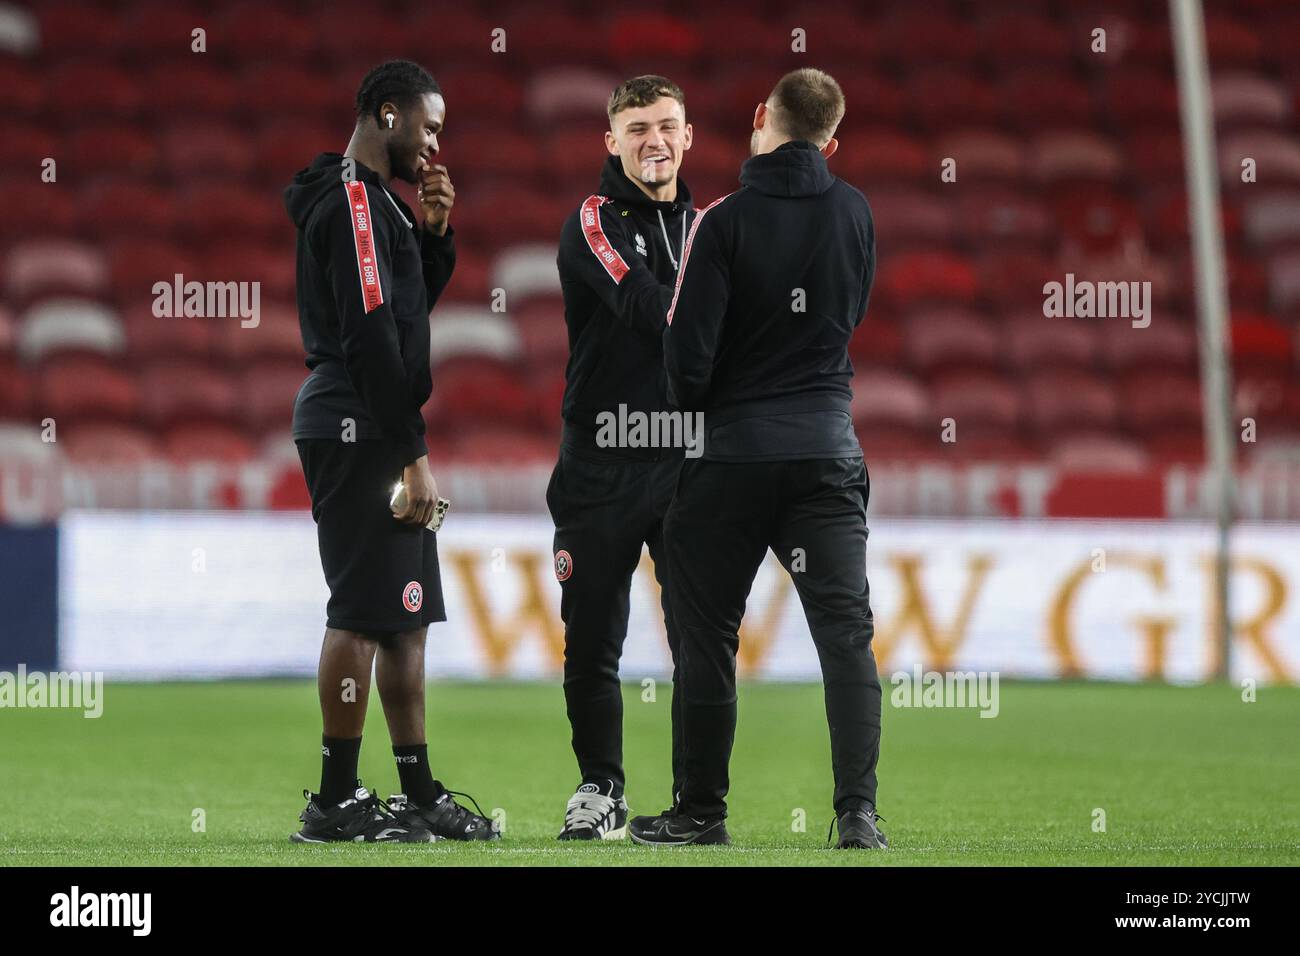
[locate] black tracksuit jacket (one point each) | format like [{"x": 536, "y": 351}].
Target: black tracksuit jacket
[
  {"x": 368, "y": 275},
  {"x": 772, "y": 381},
  {"x": 618, "y": 261}
]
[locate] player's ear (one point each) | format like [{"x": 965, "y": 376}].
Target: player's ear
[
  {"x": 611, "y": 144},
  {"x": 686, "y": 140},
  {"x": 388, "y": 116},
  {"x": 831, "y": 146},
  {"x": 760, "y": 116}
]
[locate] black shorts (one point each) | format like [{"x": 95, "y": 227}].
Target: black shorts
[{"x": 382, "y": 574}]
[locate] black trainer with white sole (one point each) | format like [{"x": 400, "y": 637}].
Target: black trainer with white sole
[
  {"x": 446, "y": 818},
  {"x": 672, "y": 828},
  {"x": 361, "y": 818},
  {"x": 859, "y": 830},
  {"x": 593, "y": 813}
]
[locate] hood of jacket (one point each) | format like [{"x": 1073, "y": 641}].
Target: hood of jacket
[
  {"x": 793, "y": 169},
  {"x": 312, "y": 184}
]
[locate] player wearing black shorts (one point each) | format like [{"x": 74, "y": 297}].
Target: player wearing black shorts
[
  {"x": 369, "y": 272},
  {"x": 618, "y": 258}
]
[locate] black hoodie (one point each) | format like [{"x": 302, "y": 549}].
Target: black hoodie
[
  {"x": 618, "y": 258},
  {"x": 368, "y": 275},
  {"x": 775, "y": 280}
]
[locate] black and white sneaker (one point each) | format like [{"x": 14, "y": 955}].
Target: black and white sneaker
[
  {"x": 361, "y": 818},
  {"x": 859, "y": 830},
  {"x": 446, "y": 818},
  {"x": 673, "y": 828},
  {"x": 594, "y": 814}
]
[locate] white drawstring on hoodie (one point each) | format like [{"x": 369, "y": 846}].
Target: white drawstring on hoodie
[{"x": 663, "y": 228}]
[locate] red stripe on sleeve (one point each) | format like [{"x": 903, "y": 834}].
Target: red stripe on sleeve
[
  {"x": 596, "y": 241},
  {"x": 372, "y": 293}
]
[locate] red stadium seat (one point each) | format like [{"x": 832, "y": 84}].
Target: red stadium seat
[
  {"x": 1031, "y": 35},
  {"x": 1249, "y": 98},
  {"x": 1165, "y": 403},
  {"x": 882, "y": 397},
  {"x": 207, "y": 441},
  {"x": 1272, "y": 217},
  {"x": 1012, "y": 279},
  {"x": 54, "y": 267},
  {"x": 1033, "y": 98},
  {"x": 480, "y": 391},
  {"x": 26, "y": 146},
  {"x": 1260, "y": 342},
  {"x": 505, "y": 445},
  {"x": 92, "y": 90},
  {"x": 1076, "y": 155},
  {"x": 61, "y": 326},
  {"x": 263, "y": 33},
  {"x": 1004, "y": 217},
  {"x": 208, "y": 150},
  {"x": 977, "y": 402},
  {"x": 940, "y": 98},
  {"x": 110, "y": 444},
  {"x": 150, "y": 337},
  {"x": 877, "y": 341},
  {"x": 187, "y": 85},
  {"x": 72, "y": 28},
  {"x": 1061, "y": 401},
  {"x": 267, "y": 393},
  {"x": 1034, "y": 342},
  {"x": 568, "y": 93},
  {"x": 919, "y": 277},
  {"x": 25, "y": 89},
  {"x": 543, "y": 336},
  {"x": 175, "y": 390},
  {"x": 82, "y": 388},
  {"x": 871, "y": 155},
  {"x": 944, "y": 340},
  {"x": 151, "y": 211},
  {"x": 159, "y": 28},
  {"x": 1098, "y": 453},
  {"x": 116, "y": 149},
  {"x": 1163, "y": 345},
  {"x": 982, "y": 154},
  {"x": 17, "y": 390},
  {"x": 1142, "y": 97},
  {"x": 1276, "y": 155},
  {"x": 1097, "y": 219},
  {"x": 275, "y": 338},
  {"x": 912, "y": 217}
]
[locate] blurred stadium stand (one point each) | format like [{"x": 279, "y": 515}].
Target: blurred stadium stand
[{"x": 1067, "y": 161}]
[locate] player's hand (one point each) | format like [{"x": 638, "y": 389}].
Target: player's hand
[
  {"x": 436, "y": 195},
  {"x": 421, "y": 493}
]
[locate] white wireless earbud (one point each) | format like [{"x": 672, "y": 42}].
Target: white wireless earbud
[{"x": 390, "y": 120}]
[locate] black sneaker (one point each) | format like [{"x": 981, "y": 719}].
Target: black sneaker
[
  {"x": 361, "y": 818},
  {"x": 859, "y": 831},
  {"x": 672, "y": 828},
  {"x": 444, "y": 816},
  {"x": 593, "y": 814}
]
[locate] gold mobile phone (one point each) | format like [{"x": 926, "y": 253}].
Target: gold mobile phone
[{"x": 398, "y": 502}]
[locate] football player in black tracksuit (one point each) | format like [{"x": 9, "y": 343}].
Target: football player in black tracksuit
[
  {"x": 369, "y": 271},
  {"x": 618, "y": 260},
  {"x": 774, "y": 281}
]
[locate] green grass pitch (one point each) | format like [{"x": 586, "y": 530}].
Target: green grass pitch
[{"x": 1185, "y": 776}]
